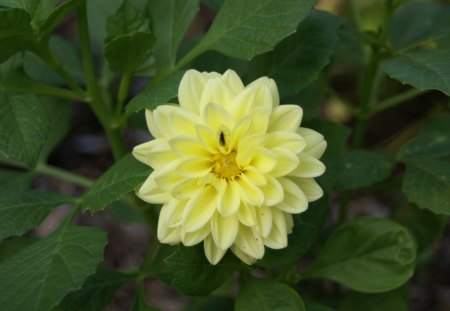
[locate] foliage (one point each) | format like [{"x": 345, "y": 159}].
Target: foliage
[{"x": 350, "y": 75}]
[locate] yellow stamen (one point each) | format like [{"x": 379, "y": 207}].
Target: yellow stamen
[{"x": 225, "y": 166}]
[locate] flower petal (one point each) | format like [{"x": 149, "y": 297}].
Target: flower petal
[
  {"x": 172, "y": 212},
  {"x": 249, "y": 191},
  {"x": 189, "y": 147},
  {"x": 273, "y": 192},
  {"x": 230, "y": 200},
  {"x": 151, "y": 124},
  {"x": 191, "y": 89},
  {"x": 288, "y": 140},
  {"x": 167, "y": 177},
  {"x": 207, "y": 138},
  {"x": 151, "y": 193},
  {"x": 212, "y": 252},
  {"x": 310, "y": 188},
  {"x": 224, "y": 230},
  {"x": 250, "y": 242},
  {"x": 195, "y": 167},
  {"x": 286, "y": 162},
  {"x": 216, "y": 117},
  {"x": 277, "y": 238},
  {"x": 186, "y": 190},
  {"x": 233, "y": 81},
  {"x": 195, "y": 237},
  {"x": 263, "y": 160},
  {"x": 264, "y": 220},
  {"x": 315, "y": 144},
  {"x": 199, "y": 209},
  {"x": 294, "y": 199},
  {"x": 155, "y": 153},
  {"x": 308, "y": 166},
  {"x": 216, "y": 91},
  {"x": 246, "y": 215},
  {"x": 243, "y": 256},
  {"x": 285, "y": 118},
  {"x": 271, "y": 85}
]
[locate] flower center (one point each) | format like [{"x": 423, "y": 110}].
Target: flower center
[{"x": 225, "y": 166}]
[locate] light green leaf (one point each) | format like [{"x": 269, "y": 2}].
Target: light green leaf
[
  {"x": 15, "y": 33},
  {"x": 424, "y": 70},
  {"x": 171, "y": 19},
  {"x": 38, "y": 277},
  {"x": 361, "y": 168},
  {"x": 127, "y": 52},
  {"x": 20, "y": 212},
  {"x": 427, "y": 184},
  {"x": 368, "y": 255},
  {"x": 245, "y": 28},
  {"x": 267, "y": 295},
  {"x": 123, "y": 177},
  {"x": 96, "y": 293},
  {"x": 298, "y": 59},
  {"x": 126, "y": 20},
  {"x": 390, "y": 301},
  {"x": 24, "y": 127},
  {"x": 158, "y": 94},
  {"x": 190, "y": 272},
  {"x": 299, "y": 241}
]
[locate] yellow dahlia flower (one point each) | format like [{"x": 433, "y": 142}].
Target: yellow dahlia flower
[{"x": 230, "y": 164}]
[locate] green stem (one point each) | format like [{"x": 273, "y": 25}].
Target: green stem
[
  {"x": 355, "y": 13},
  {"x": 123, "y": 92},
  {"x": 61, "y": 174},
  {"x": 44, "y": 89},
  {"x": 101, "y": 110},
  {"x": 395, "y": 100}
]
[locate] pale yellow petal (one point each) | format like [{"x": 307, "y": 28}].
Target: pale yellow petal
[
  {"x": 263, "y": 160},
  {"x": 260, "y": 119},
  {"x": 277, "y": 238},
  {"x": 308, "y": 167},
  {"x": 310, "y": 188},
  {"x": 216, "y": 91},
  {"x": 286, "y": 162},
  {"x": 199, "y": 209},
  {"x": 230, "y": 200},
  {"x": 151, "y": 124},
  {"x": 191, "y": 89},
  {"x": 195, "y": 167},
  {"x": 240, "y": 130},
  {"x": 224, "y": 230},
  {"x": 255, "y": 176},
  {"x": 161, "y": 117},
  {"x": 273, "y": 191},
  {"x": 285, "y": 118},
  {"x": 208, "y": 138},
  {"x": 167, "y": 177},
  {"x": 187, "y": 189},
  {"x": 294, "y": 201},
  {"x": 183, "y": 122},
  {"x": 172, "y": 212},
  {"x": 264, "y": 220},
  {"x": 315, "y": 144},
  {"x": 246, "y": 215},
  {"x": 166, "y": 234},
  {"x": 189, "y": 147},
  {"x": 155, "y": 153},
  {"x": 151, "y": 193},
  {"x": 249, "y": 192},
  {"x": 242, "y": 103},
  {"x": 250, "y": 242},
  {"x": 233, "y": 81},
  {"x": 243, "y": 256},
  {"x": 288, "y": 140},
  {"x": 271, "y": 85},
  {"x": 216, "y": 117},
  {"x": 195, "y": 237},
  {"x": 318, "y": 150},
  {"x": 212, "y": 252}
]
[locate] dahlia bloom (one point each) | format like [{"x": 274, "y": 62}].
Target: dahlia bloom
[{"x": 230, "y": 164}]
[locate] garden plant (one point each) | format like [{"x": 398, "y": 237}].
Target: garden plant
[{"x": 273, "y": 154}]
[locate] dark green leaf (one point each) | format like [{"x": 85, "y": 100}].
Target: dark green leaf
[
  {"x": 24, "y": 127},
  {"x": 38, "y": 277},
  {"x": 126, "y": 20},
  {"x": 96, "y": 293},
  {"x": 210, "y": 303},
  {"x": 15, "y": 180},
  {"x": 243, "y": 29},
  {"x": 267, "y": 295},
  {"x": 20, "y": 212},
  {"x": 299, "y": 241},
  {"x": 15, "y": 33},
  {"x": 192, "y": 274},
  {"x": 309, "y": 98},
  {"x": 123, "y": 177},
  {"x": 139, "y": 302},
  {"x": 298, "y": 60},
  {"x": 368, "y": 255},
  {"x": 56, "y": 16},
  {"x": 390, "y": 301},
  {"x": 313, "y": 306},
  {"x": 424, "y": 70},
  {"x": 98, "y": 11},
  {"x": 171, "y": 19},
  {"x": 360, "y": 168},
  {"x": 127, "y": 52},
  {"x": 158, "y": 94},
  {"x": 13, "y": 245},
  {"x": 427, "y": 184}
]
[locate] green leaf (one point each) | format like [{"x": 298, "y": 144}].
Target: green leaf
[
  {"x": 15, "y": 180},
  {"x": 298, "y": 59},
  {"x": 20, "y": 212},
  {"x": 139, "y": 303},
  {"x": 390, "y": 301},
  {"x": 243, "y": 29},
  {"x": 55, "y": 18},
  {"x": 171, "y": 19},
  {"x": 427, "y": 184},
  {"x": 98, "y": 12},
  {"x": 38, "y": 277},
  {"x": 216, "y": 303},
  {"x": 158, "y": 94},
  {"x": 361, "y": 168},
  {"x": 127, "y": 52},
  {"x": 126, "y": 20},
  {"x": 24, "y": 127},
  {"x": 13, "y": 245},
  {"x": 424, "y": 70},
  {"x": 15, "y": 33},
  {"x": 123, "y": 177},
  {"x": 192, "y": 274},
  {"x": 368, "y": 255},
  {"x": 267, "y": 295},
  {"x": 96, "y": 293},
  {"x": 417, "y": 22},
  {"x": 313, "y": 306},
  {"x": 299, "y": 241}
]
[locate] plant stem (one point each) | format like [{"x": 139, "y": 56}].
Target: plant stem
[
  {"x": 395, "y": 100},
  {"x": 101, "y": 110},
  {"x": 61, "y": 174},
  {"x": 123, "y": 92},
  {"x": 43, "y": 89}
]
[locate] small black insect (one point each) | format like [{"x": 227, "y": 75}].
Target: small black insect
[{"x": 222, "y": 141}]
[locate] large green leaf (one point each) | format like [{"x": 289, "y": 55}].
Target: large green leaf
[
  {"x": 313, "y": 306},
  {"x": 126, "y": 20},
  {"x": 16, "y": 33},
  {"x": 20, "y": 212},
  {"x": 245, "y": 28},
  {"x": 96, "y": 293},
  {"x": 158, "y": 94},
  {"x": 298, "y": 60},
  {"x": 360, "y": 168},
  {"x": 209, "y": 303},
  {"x": 368, "y": 255},
  {"x": 123, "y": 177},
  {"x": 55, "y": 17},
  {"x": 170, "y": 19},
  {"x": 390, "y": 301},
  {"x": 424, "y": 70},
  {"x": 24, "y": 127},
  {"x": 267, "y": 295},
  {"x": 427, "y": 184},
  {"x": 299, "y": 241},
  {"x": 190, "y": 272},
  {"x": 11, "y": 180},
  {"x": 38, "y": 277}
]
